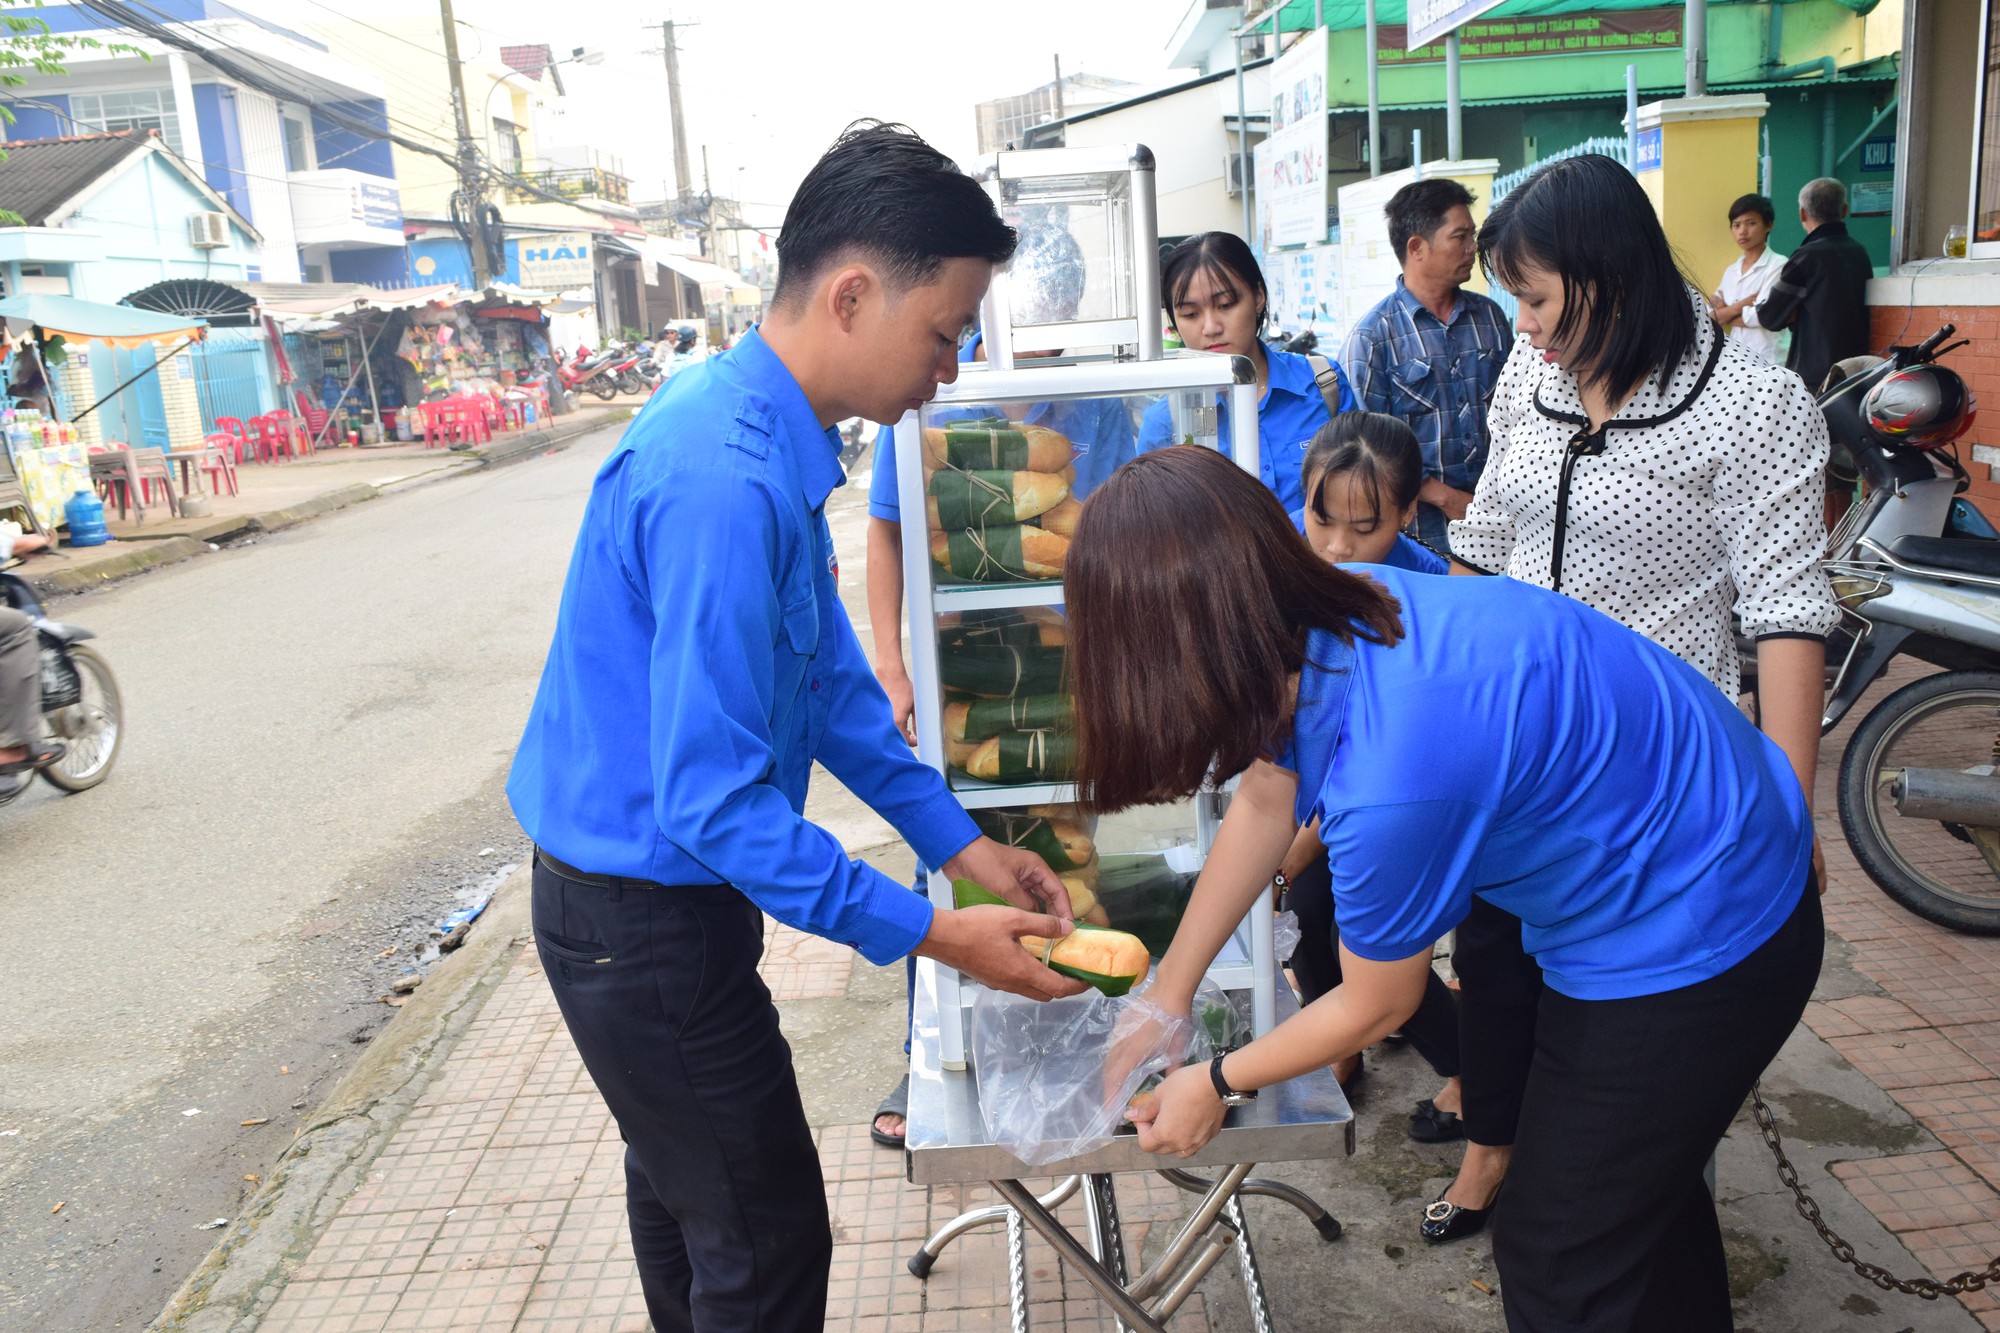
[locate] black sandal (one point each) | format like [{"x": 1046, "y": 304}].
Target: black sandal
[
  {"x": 39, "y": 759},
  {"x": 1430, "y": 1125},
  {"x": 896, "y": 1103}
]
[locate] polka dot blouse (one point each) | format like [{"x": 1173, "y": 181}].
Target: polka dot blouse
[{"x": 1707, "y": 497}]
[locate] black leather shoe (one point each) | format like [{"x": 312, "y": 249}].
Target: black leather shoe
[{"x": 1445, "y": 1221}]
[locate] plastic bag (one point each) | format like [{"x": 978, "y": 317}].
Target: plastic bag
[
  {"x": 1285, "y": 935},
  {"x": 1049, "y": 1074}
]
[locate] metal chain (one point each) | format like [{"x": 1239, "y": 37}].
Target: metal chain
[{"x": 1927, "y": 1288}]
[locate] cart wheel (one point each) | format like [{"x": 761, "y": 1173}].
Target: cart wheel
[{"x": 923, "y": 1261}]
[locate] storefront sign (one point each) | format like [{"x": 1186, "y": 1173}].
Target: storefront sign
[
  {"x": 1562, "y": 35},
  {"x": 1868, "y": 199},
  {"x": 378, "y": 205},
  {"x": 1297, "y": 156},
  {"x": 1879, "y": 154},
  {"x": 556, "y": 262},
  {"x": 1650, "y": 152},
  {"x": 1430, "y": 20}
]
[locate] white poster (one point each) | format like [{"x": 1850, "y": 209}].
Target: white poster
[
  {"x": 1306, "y": 294},
  {"x": 1297, "y": 156},
  {"x": 555, "y": 262},
  {"x": 1430, "y": 20}
]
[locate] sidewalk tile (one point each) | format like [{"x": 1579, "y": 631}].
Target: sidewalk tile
[
  {"x": 1908, "y": 1059},
  {"x": 445, "y": 1127},
  {"x": 404, "y": 1182},
  {"x": 552, "y": 1171},
  {"x": 499, "y": 1235},
  {"x": 1949, "y": 1251},
  {"x": 877, "y": 1210},
  {"x": 1981, "y": 1041},
  {"x": 558, "y": 1071},
  {"x": 798, "y": 966},
  {"x": 334, "y": 1306},
  {"x": 1861, "y": 1013},
  {"x": 479, "y": 1298},
  {"x": 869, "y": 1281},
  {"x": 571, "y": 1117},
  {"x": 1983, "y": 1158},
  {"x": 847, "y": 1153},
  {"x": 369, "y": 1245},
  {"x": 1958, "y": 1113},
  {"x": 1918, "y": 1191}
]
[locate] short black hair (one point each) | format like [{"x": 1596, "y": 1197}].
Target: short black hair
[
  {"x": 1587, "y": 220},
  {"x": 1419, "y": 208},
  {"x": 1223, "y": 256},
  {"x": 1378, "y": 450},
  {"x": 883, "y": 194},
  {"x": 1754, "y": 203}
]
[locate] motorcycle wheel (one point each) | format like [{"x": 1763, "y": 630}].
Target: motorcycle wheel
[
  {"x": 92, "y": 728},
  {"x": 629, "y": 382},
  {"x": 1946, "y": 873},
  {"x": 603, "y": 387}
]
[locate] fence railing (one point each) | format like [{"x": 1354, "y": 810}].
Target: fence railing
[{"x": 1614, "y": 147}]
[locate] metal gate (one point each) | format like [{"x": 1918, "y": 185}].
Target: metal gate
[
  {"x": 231, "y": 371},
  {"x": 135, "y": 415}
]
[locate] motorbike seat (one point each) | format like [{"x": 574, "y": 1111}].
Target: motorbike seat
[{"x": 1954, "y": 554}]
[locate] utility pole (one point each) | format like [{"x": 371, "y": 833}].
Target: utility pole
[
  {"x": 708, "y": 208},
  {"x": 1059, "y": 97},
  {"x": 682, "y": 167},
  {"x": 471, "y": 186}
]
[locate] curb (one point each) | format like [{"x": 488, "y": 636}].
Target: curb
[
  {"x": 234, "y": 1287},
  {"x": 136, "y": 555}
]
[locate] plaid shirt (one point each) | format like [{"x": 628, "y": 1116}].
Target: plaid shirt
[{"x": 1438, "y": 377}]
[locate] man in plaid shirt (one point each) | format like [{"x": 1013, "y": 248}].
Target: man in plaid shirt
[{"x": 1430, "y": 351}]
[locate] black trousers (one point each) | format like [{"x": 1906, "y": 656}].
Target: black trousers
[
  {"x": 1500, "y": 993},
  {"x": 659, "y": 989},
  {"x": 1432, "y": 1030},
  {"x": 1608, "y": 1226}
]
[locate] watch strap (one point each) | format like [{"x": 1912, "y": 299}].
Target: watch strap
[{"x": 1222, "y": 1089}]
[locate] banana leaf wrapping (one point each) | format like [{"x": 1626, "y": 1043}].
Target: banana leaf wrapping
[
  {"x": 1006, "y": 553},
  {"x": 997, "y": 444},
  {"x": 1065, "y": 847},
  {"x": 961, "y": 499},
  {"x": 1024, "y": 756},
  {"x": 989, "y": 629},
  {"x": 981, "y": 718},
  {"x": 1002, "y": 672}
]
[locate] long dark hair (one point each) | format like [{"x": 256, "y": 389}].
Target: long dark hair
[
  {"x": 1377, "y": 450},
  {"x": 1223, "y": 256},
  {"x": 1625, "y": 300},
  {"x": 1189, "y": 596}
]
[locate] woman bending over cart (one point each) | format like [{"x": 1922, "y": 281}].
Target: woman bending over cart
[{"x": 1460, "y": 739}]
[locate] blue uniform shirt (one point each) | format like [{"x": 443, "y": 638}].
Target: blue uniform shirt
[
  {"x": 1408, "y": 553},
  {"x": 1521, "y": 746},
  {"x": 1100, "y": 428},
  {"x": 1291, "y": 413},
  {"x": 702, "y": 661}
]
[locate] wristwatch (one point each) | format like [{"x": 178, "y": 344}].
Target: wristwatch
[{"x": 1229, "y": 1095}]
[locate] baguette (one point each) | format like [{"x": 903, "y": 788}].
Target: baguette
[
  {"x": 1009, "y": 554},
  {"x": 977, "y": 720},
  {"x": 1062, "y": 843},
  {"x": 1001, "y": 671},
  {"x": 1110, "y": 960},
  {"x": 998, "y": 444},
  {"x": 1061, "y": 518},
  {"x": 1023, "y": 756},
  {"x": 958, "y": 499}
]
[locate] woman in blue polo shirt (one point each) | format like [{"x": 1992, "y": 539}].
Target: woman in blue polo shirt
[
  {"x": 1462, "y": 738},
  {"x": 1216, "y": 298}
]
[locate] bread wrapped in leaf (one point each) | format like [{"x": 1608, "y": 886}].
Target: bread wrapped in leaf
[
  {"x": 979, "y": 719},
  {"x": 1028, "y": 627},
  {"x": 1110, "y": 960},
  {"x": 996, "y": 444},
  {"x": 1010, "y": 553},
  {"x": 1061, "y": 518},
  {"x": 958, "y": 499},
  {"x": 1002, "y": 672},
  {"x": 1063, "y": 843},
  {"x": 1024, "y": 756}
]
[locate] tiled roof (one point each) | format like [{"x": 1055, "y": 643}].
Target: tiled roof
[
  {"x": 530, "y": 60},
  {"x": 40, "y": 175}
]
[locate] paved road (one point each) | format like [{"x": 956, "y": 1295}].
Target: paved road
[{"x": 319, "y": 728}]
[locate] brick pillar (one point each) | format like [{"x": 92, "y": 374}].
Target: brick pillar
[
  {"x": 177, "y": 393},
  {"x": 74, "y": 375}
]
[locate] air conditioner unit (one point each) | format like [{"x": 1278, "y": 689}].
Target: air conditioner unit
[
  {"x": 1232, "y": 174},
  {"x": 208, "y": 231}
]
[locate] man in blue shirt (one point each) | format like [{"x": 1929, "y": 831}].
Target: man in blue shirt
[
  {"x": 1430, "y": 352},
  {"x": 701, "y": 663}
]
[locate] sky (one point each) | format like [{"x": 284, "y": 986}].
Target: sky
[{"x": 768, "y": 84}]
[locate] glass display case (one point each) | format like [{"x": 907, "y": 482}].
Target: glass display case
[{"x": 992, "y": 477}]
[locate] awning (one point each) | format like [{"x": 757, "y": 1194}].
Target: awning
[
  {"x": 91, "y": 321},
  {"x": 507, "y": 291},
  {"x": 292, "y": 301},
  {"x": 716, "y": 281}
]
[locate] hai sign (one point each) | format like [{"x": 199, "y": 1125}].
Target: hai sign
[{"x": 555, "y": 262}]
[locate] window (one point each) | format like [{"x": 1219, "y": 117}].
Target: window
[
  {"x": 298, "y": 146},
  {"x": 507, "y": 142},
  {"x": 139, "y": 109}
]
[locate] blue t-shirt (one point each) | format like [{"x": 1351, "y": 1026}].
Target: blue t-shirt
[
  {"x": 1408, "y": 553},
  {"x": 1518, "y": 745},
  {"x": 1100, "y": 429},
  {"x": 1292, "y": 412}
]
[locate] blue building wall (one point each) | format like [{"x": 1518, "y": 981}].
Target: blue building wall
[
  {"x": 337, "y": 147},
  {"x": 142, "y": 216},
  {"x": 76, "y": 18},
  {"x": 222, "y": 144},
  {"x": 41, "y": 122},
  {"x": 448, "y": 261},
  {"x": 378, "y": 266}
]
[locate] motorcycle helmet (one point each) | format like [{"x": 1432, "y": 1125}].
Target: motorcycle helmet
[{"x": 1918, "y": 407}]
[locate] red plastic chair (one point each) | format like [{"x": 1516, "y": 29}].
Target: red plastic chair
[
  {"x": 219, "y": 463},
  {"x": 231, "y": 428},
  {"x": 275, "y": 436}
]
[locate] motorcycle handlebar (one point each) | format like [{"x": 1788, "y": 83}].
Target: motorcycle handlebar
[{"x": 1922, "y": 351}]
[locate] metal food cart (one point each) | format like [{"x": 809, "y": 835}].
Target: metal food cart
[{"x": 991, "y": 476}]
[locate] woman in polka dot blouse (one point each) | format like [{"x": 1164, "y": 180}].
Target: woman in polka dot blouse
[{"x": 1649, "y": 467}]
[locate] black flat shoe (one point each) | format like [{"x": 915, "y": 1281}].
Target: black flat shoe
[
  {"x": 1445, "y": 1221},
  {"x": 1430, "y": 1125}
]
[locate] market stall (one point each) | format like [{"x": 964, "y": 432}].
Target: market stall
[{"x": 988, "y": 475}]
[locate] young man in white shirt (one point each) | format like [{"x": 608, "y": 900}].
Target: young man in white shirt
[{"x": 1749, "y": 280}]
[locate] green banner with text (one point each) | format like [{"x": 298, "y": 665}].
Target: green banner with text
[{"x": 1560, "y": 35}]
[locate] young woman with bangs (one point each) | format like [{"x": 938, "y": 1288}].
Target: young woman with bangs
[{"x": 1462, "y": 741}]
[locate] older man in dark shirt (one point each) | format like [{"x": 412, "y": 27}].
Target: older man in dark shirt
[{"x": 1822, "y": 293}]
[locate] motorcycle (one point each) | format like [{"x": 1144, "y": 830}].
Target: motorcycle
[
  {"x": 590, "y": 373},
  {"x": 81, "y": 706},
  {"x": 1916, "y": 571}
]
